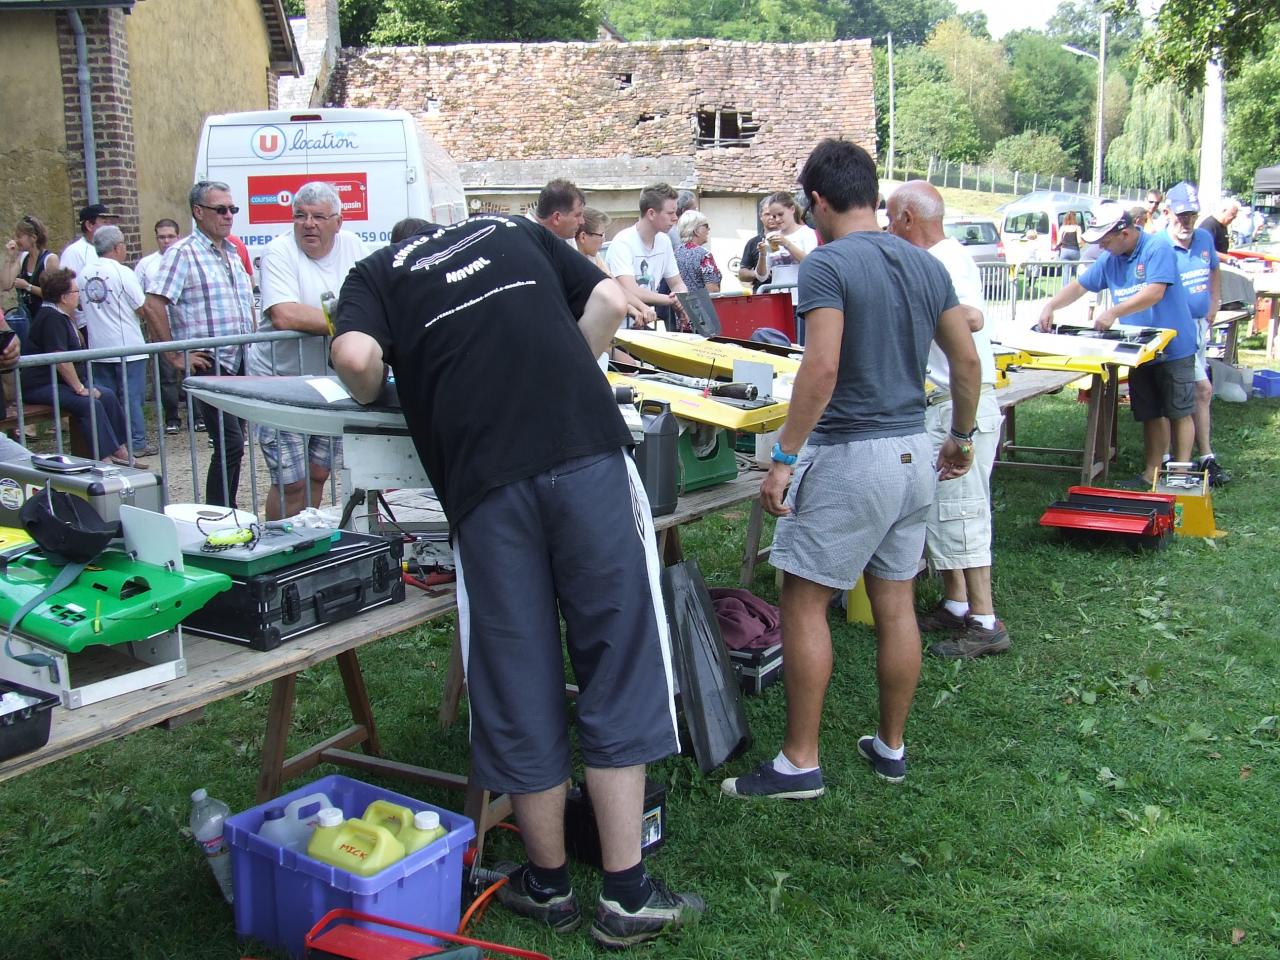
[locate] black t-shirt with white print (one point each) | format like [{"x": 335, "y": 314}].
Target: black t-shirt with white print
[{"x": 479, "y": 322}]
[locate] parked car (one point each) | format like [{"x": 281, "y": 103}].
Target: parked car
[
  {"x": 1029, "y": 225},
  {"x": 979, "y": 237}
]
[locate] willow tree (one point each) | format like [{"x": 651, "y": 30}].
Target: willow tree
[{"x": 1160, "y": 144}]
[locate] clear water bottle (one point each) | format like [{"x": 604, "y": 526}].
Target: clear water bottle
[{"x": 207, "y": 818}]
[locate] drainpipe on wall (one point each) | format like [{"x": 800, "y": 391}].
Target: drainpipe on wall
[{"x": 86, "y": 107}]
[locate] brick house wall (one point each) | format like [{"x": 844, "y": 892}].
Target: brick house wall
[{"x": 112, "y": 99}]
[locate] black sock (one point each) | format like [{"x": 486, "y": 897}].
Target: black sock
[
  {"x": 628, "y": 887},
  {"x": 543, "y": 883}
]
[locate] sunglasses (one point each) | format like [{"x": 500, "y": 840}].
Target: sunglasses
[{"x": 221, "y": 209}]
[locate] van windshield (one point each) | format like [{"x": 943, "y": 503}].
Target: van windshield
[{"x": 1022, "y": 222}]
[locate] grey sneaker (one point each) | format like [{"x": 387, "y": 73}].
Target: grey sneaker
[
  {"x": 561, "y": 913},
  {"x": 664, "y": 911},
  {"x": 938, "y": 619},
  {"x": 886, "y": 768},
  {"x": 973, "y": 641},
  {"x": 764, "y": 781}
]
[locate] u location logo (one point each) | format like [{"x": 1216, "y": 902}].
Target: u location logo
[{"x": 267, "y": 142}]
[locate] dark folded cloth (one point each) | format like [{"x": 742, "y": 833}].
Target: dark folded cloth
[{"x": 746, "y": 621}]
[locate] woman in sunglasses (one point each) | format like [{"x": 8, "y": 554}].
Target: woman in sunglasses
[{"x": 27, "y": 260}]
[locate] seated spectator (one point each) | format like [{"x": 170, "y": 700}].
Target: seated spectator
[
  {"x": 590, "y": 236},
  {"x": 96, "y": 413},
  {"x": 27, "y": 259},
  {"x": 9, "y": 355},
  {"x": 697, "y": 265}
]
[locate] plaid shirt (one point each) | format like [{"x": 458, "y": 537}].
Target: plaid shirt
[{"x": 210, "y": 294}]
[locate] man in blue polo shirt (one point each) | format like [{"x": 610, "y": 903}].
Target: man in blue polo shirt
[
  {"x": 1140, "y": 271},
  {"x": 1197, "y": 260}
]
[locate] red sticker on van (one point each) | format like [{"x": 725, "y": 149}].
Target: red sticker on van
[{"x": 271, "y": 197}]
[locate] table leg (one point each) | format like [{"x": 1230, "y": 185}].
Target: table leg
[
  {"x": 1009, "y": 441},
  {"x": 751, "y": 553},
  {"x": 279, "y": 717},
  {"x": 358, "y": 700},
  {"x": 1104, "y": 394},
  {"x": 669, "y": 547}
]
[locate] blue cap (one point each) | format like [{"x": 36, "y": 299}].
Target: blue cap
[{"x": 1183, "y": 199}]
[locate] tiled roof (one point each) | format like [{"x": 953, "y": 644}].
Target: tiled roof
[{"x": 622, "y": 114}]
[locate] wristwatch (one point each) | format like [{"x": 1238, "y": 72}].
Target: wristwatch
[{"x": 779, "y": 456}]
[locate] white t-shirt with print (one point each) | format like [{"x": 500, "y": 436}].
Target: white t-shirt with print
[
  {"x": 628, "y": 256},
  {"x": 110, "y": 296}
]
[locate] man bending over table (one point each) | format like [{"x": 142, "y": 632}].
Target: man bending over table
[
  {"x": 1141, "y": 272},
  {"x": 492, "y": 327}
]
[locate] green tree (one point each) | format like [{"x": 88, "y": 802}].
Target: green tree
[
  {"x": 1051, "y": 91},
  {"x": 1190, "y": 33},
  {"x": 1076, "y": 22},
  {"x": 912, "y": 66},
  {"x": 910, "y": 21},
  {"x": 934, "y": 118},
  {"x": 1160, "y": 144},
  {"x": 1253, "y": 104},
  {"x": 773, "y": 20},
  {"x": 412, "y": 22},
  {"x": 978, "y": 70},
  {"x": 1033, "y": 152},
  {"x": 356, "y": 18}
]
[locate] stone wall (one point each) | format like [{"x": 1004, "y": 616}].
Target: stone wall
[{"x": 512, "y": 107}]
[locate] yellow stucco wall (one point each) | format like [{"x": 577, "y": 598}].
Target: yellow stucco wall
[
  {"x": 33, "y": 148},
  {"x": 182, "y": 69}
]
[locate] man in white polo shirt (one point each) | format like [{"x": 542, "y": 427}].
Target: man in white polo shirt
[
  {"x": 111, "y": 298},
  {"x": 298, "y": 269}
]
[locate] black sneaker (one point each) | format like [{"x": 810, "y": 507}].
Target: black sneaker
[
  {"x": 886, "y": 768},
  {"x": 561, "y": 913},
  {"x": 617, "y": 927},
  {"x": 1217, "y": 476},
  {"x": 172, "y": 426},
  {"x": 764, "y": 781},
  {"x": 939, "y": 619},
  {"x": 200, "y": 426},
  {"x": 973, "y": 641}
]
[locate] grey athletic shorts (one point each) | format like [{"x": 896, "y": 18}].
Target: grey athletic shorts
[
  {"x": 575, "y": 541},
  {"x": 857, "y": 505}
]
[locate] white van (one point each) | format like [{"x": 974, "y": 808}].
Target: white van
[
  {"x": 383, "y": 167},
  {"x": 1029, "y": 225}
]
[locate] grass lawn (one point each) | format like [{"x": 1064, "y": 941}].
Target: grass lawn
[{"x": 1109, "y": 788}]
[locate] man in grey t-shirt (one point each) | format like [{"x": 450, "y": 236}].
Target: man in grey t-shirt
[{"x": 864, "y": 470}]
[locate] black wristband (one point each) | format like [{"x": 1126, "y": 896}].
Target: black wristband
[{"x": 963, "y": 437}]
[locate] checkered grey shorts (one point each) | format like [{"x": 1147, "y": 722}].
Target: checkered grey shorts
[{"x": 857, "y": 505}]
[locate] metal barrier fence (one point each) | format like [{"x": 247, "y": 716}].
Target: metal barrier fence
[{"x": 178, "y": 486}]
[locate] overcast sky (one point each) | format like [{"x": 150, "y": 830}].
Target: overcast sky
[{"x": 1006, "y": 15}]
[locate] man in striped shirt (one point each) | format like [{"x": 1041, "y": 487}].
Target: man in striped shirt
[{"x": 209, "y": 294}]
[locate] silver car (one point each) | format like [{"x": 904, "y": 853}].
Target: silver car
[{"x": 979, "y": 237}]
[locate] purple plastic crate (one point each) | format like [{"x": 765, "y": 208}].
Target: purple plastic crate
[
  {"x": 1266, "y": 383},
  {"x": 280, "y": 894}
]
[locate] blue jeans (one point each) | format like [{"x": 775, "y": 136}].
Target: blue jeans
[{"x": 113, "y": 375}]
